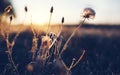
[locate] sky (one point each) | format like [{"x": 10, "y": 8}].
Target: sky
[{"x": 107, "y": 11}]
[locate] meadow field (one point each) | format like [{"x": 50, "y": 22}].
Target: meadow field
[{"x": 101, "y": 43}]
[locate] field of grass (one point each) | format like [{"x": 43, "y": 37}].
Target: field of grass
[{"x": 101, "y": 43}]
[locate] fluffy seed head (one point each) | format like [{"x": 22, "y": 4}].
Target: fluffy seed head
[
  {"x": 88, "y": 13},
  {"x": 51, "y": 10},
  {"x": 8, "y": 9}
]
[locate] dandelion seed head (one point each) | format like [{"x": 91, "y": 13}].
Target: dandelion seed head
[
  {"x": 8, "y": 9},
  {"x": 88, "y": 13}
]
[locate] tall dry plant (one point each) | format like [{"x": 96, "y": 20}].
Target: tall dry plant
[
  {"x": 88, "y": 13},
  {"x": 34, "y": 41},
  {"x": 45, "y": 54},
  {"x": 25, "y": 10},
  {"x": 48, "y": 42},
  {"x": 51, "y": 12},
  {"x": 35, "y": 38},
  {"x": 3, "y": 18},
  {"x": 6, "y": 35},
  {"x": 58, "y": 34}
]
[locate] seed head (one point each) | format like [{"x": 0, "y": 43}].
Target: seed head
[
  {"x": 51, "y": 10},
  {"x": 7, "y": 9},
  {"x": 62, "y": 20},
  {"x": 11, "y": 17},
  {"x": 26, "y": 9},
  {"x": 88, "y": 13}
]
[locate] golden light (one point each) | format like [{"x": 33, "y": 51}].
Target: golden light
[{"x": 39, "y": 20}]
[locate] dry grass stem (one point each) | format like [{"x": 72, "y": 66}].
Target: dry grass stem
[
  {"x": 6, "y": 35},
  {"x": 66, "y": 44},
  {"x": 80, "y": 58},
  {"x": 51, "y": 11},
  {"x": 58, "y": 35}
]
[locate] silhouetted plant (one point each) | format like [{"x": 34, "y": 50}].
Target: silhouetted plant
[
  {"x": 49, "y": 52},
  {"x": 88, "y": 13},
  {"x": 51, "y": 11},
  {"x": 45, "y": 54},
  {"x": 6, "y": 34}
]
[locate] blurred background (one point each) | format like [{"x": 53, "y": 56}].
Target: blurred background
[
  {"x": 100, "y": 37},
  {"x": 107, "y": 11}
]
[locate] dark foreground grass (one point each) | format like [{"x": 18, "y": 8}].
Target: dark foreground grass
[{"x": 102, "y": 45}]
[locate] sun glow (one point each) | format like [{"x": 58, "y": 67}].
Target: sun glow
[
  {"x": 32, "y": 18},
  {"x": 39, "y": 10},
  {"x": 41, "y": 20}
]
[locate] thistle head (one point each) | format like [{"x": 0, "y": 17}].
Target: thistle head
[
  {"x": 62, "y": 20},
  {"x": 26, "y": 9},
  {"x": 51, "y": 10},
  {"x": 52, "y": 35},
  {"x": 88, "y": 13},
  {"x": 8, "y": 9},
  {"x": 45, "y": 44}
]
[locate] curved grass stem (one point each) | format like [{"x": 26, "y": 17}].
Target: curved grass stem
[
  {"x": 12, "y": 63},
  {"x": 66, "y": 44},
  {"x": 80, "y": 58},
  {"x": 10, "y": 45}
]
